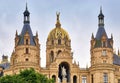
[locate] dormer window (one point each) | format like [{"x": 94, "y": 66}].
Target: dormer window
[{"x": 26, "y": 41}]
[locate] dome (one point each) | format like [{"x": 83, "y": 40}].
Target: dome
[{"x": 57, "y": 33}]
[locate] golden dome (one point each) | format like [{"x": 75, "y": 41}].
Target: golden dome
[{"x": 58, "y": 32}]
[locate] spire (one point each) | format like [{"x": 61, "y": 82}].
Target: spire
[
  {"x": 26, "y": 15},
  {"x": 101, "y": 31},
  {"x": 92, "y": 37},
  {"x": 36, "y": 33},
  {"x": 101, "y": 18},
  {"x": 58, "y": 21},
  {"x": 16, "y": 33}
]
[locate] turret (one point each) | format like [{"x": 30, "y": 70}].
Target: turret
[{"x": 101, "y": 45}]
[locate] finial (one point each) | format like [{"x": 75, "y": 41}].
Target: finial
[
  {"x": 36, "y": 33},
  {"x": 92, "y": 36},
  {"x": 78, "y": 63},
  {"x": 58, "y": 20},
  {"x": 26, "y": 6},
  {"x": 111, "y": 36},
  {"x": 100, "y": 9},
  {"x": 58, "y": 14},
  {"x": 16, "y": 33}
]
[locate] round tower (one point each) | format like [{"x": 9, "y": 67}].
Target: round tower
[{"x": 27, "y": 48}]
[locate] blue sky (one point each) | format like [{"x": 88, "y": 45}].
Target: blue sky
[{"x": 78, "y": 17}]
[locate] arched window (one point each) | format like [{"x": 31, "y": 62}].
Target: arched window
[
  {"x": 92, "y": 79},
  {"x": 52, "y": 42},
  {"x": 51, "y": 56},
  {"x": 84, "y": 79},
  {"x": 59, "y": 41},
  {"x": 105, "y": 78},
  {"x": 26, "y": 41},
  {"x": 59, "y": 51},
  {"x": 27, "y": 50},
  {"x": 74, "y": 79},
  {"x": 54, "y": 78}
]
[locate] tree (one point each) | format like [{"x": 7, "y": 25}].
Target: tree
[{"x": 26, "y": 76}]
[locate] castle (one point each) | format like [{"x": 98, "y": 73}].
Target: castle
[{"x": 105, "y": 64}]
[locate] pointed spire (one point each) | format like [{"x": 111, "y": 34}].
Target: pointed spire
[
  {"x": 26, "y": 6},
  {"x": 101, "y": 18},
  {"x": 92, "y": 37},
  {"x": 26, "y": 15},
  {"x": 16, "y": 33},
  {"x": 100, "y": 9},
  {"x": 36, "y": 33},
  {"x": 111, "y": 36},
  {"x": 58, "y": 20}
]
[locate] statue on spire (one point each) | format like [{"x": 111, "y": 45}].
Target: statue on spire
[{"x": 58, "y": 21}]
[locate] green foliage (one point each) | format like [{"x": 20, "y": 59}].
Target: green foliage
[{"x": 26, "y": 76}]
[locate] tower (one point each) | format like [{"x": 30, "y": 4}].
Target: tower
[
  {"x": 58, "y": 41},
  {"x": 101, "y": 45},
  {"x": 26, "y": 53},
  {"x": 101, "y": 54},
  {"x": 58, "y": 52}
]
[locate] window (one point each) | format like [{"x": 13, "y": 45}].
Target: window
[
  {"x": 26, "y": 59},
  {"x": 104, "y": 61},
  {"x": 104, "y": 53},
  {"x": 59, "y": 41},
  {"x": 26, "y": 41},
  {"x": 27, "y": 51},
  {"x": 118, "y": 80},
  {"x": 74, "y": 79},
  {"x": 59, "y": 51},
  {"x": 84, "y": 79},
  {"x": 92, "y": 79},
  {"x": 105, "y": 78},
  {"x": 54, "y": 78},
  {"x": 51, "y": 56}
]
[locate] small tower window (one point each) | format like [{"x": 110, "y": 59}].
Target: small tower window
[
  {"x": 92, "y": 79},
  {"x": 104, "y": 53},
  {"x": 59, "y": 41},
  {"x": 26, "y": 59},
  {"x": 27, "y": 50},
  {"x": 105, "y": 78},
  {"x": 26, "y": 41}
]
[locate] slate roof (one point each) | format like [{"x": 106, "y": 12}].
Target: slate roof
[
  {"x": 101, "y": 31},
  {"x": 26, "y": 28},
  {"x": 5, "y": 65},
  {"x": 116, "y": 59}
]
